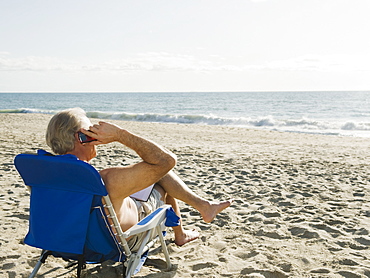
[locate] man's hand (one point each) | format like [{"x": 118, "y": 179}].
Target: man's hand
[{"x": 104, "y": 132}]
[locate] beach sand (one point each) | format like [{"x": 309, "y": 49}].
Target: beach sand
[{"x": 301, "y": 209}]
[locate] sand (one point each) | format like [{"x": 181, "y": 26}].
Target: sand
[{"x": 301, "y": 209}]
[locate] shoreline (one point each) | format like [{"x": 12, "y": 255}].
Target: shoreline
[
  {"x": 301, "y": 209},
  {"x": 347, "y": 128}
]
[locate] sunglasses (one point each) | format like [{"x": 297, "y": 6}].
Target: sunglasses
[{"x": 83, "y": 138}]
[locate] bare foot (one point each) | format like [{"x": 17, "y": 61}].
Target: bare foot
[
  {"x": 213, "y": 209},
  {"x": 186, "y": 236}
]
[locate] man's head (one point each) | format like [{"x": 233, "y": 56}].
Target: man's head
[{"x": 62, "y": 129}]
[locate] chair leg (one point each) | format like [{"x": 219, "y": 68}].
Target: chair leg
[
  {"x": 124, "y": 268},
  {"x": 81, "y": 265},
  {"x": 164, "y": 248},
  {"x": 44, "y": 255}
]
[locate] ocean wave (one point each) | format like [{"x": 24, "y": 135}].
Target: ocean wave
[
  {"x": 28, "y": 110},
  {"x": 302, "y": 125},
  {"x": 268, "y": 122},
  {"x": 162, "y": 118},
  {"x": 356, "y": 126}
]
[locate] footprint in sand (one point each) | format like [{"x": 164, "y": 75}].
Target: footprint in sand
[
  {"x": 363, "y": 241},
  {"x": 303, "y": 232},
  {"x": 263, "y": 273},
  {"x": 200, "y": 266},
  {"x": 349, "y": 274},
  {"x": 347, "y": 262},
  {"x": 354, "y": 246},
  {"x": 333, "y": 232},
  {"x": 320, "y": 270}
]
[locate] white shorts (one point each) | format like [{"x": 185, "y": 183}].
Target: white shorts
[{"x": 144, "y": 209}]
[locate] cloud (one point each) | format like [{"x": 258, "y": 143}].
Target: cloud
[
  {"x": 329, "y": 63},
  {"x": 151, "y": 61},
  {"x": 159, "y": 61},
  {"x": 34, "y": 63},
  {"x": 169, "y": 62}
]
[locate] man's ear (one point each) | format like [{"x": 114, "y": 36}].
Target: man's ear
[{"x": 76, "y": 137}]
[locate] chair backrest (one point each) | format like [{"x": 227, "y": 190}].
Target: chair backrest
[{"x": 66, "y": 208}]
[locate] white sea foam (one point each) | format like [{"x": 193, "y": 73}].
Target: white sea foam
[
  {"x": 334, "y": 113},
  {"x": 28, "y": 110},
  {"x": 302, "y": 125}
]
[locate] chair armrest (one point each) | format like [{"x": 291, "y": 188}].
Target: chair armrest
[{"x": 149, "y": 222}]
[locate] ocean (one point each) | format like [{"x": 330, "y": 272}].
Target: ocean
[{"x": 328, "y": 113}]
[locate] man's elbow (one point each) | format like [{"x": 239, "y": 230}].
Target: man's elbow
[{"x": 170, "y": 161}]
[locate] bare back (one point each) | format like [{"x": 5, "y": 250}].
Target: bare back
[{"x": 126, "y": 211}]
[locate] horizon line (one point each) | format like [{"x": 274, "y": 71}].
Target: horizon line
[{"x": 159, "y": 92}]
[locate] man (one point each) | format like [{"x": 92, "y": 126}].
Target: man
[{"x": 121, "y": 182}]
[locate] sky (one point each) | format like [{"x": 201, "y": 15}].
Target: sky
[{"x": 184, "y": 46}]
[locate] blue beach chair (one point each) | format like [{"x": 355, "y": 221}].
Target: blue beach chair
[{"x": 68, "y": 218}]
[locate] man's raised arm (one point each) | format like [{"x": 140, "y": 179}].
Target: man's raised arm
[{"x": 157, "y": 161}]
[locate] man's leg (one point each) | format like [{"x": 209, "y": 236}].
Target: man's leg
[
  {"x": 182, "y": 235},
  {"x": 176, "y": 188}
]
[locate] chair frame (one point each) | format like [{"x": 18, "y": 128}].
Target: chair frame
[
  {"x": 132, "y": 258},
  {"x": 153, "y": 224}
]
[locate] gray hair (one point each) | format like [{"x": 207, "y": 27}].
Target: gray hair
[{"x": 60, "y": 134}]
